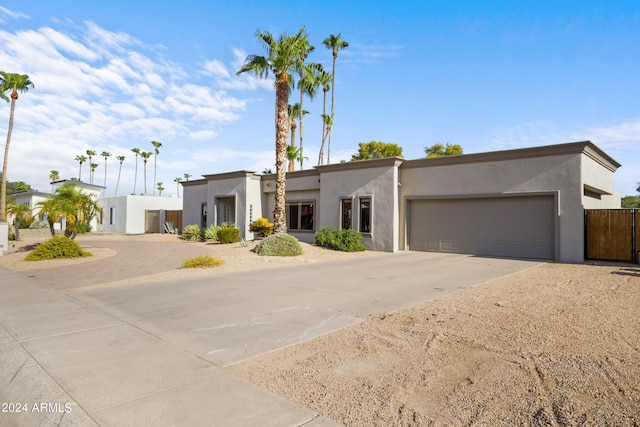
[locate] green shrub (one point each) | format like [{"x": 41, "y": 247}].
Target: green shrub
[
  {"x": 11, "y": 236},
  {"x": 25, "y": 223},
  {"x": 228, "y": 224},
  {"x": 202, "y": 261},
  {"x": 262, "y": 226},
  {"x": 279, "y": 244},
  {"x": 228, "y": 235},
  {"x": 340, "y": 240},
  {"x": 192, "y": 233},
  {"x": 57, "y": 247},
  {"x": 211, "y": 233}
]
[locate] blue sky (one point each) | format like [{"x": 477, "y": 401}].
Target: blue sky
[{"x": 488, "y": 75}]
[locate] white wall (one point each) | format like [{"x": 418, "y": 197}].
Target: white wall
[{"x": 129, "y": 211}]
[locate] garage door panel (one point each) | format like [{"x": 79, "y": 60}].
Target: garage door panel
[{"x": 521, "y": 227}]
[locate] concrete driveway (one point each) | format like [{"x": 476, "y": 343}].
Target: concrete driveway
[{"x": 154, "y": 353}]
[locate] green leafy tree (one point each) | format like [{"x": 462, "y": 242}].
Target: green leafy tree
[
  {"x": 145, "y": 156},
  {"x": 187, "y": 176},
  {"x": 293, "y": 155},
  {"x": 81, "y": 159},
  {"x": 160, "y": 188},
  {"x": 335, "y": 43},
  {"x": 282, "y": 59},
  {"x": 178, "y": 180},
  {"x": 376, "y": 150},
  {"x": 137, "y": 152},
  {"x": 106, "y": 155},
  {"x": 121, "y": 160},
  {"x": 19, "y": 211},
  {"x": 439, "y": 150},
  {"x": 631, "y": 202},
  {"x": 156, "y": 148},
  {"x": 13, "y": 83},
  {"x": 48, "y": 209}
]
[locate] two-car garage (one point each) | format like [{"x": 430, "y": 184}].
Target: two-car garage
[{"x": 521, "y": 226}]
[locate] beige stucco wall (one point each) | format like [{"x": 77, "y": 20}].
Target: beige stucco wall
[
  {"x": 558, "y": 173},
  {"x": 598, "y": 176}
]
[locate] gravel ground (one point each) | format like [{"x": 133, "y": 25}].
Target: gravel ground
[{"x": 555, "y": 345}]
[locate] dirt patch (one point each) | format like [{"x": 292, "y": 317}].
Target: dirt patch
[{"x": 553, "y": 345}]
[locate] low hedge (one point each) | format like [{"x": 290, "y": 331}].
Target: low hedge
[
  {"x": 279, "y": 244},
  {"x": 57, "y": 247},
  {"x": 340, "y": 240},
  {"x": 228, "y": 235}
]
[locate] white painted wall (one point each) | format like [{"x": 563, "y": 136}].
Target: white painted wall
[
  {"x": 4, "y": 238},
  {"x": 129, "y": 211}
]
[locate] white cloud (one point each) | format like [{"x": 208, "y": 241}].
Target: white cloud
[
  {"x": 216, "y": 68},
  {"x": 11, "y": 14}
]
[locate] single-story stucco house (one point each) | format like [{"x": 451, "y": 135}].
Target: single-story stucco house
[{"x": 524, "y": 203}]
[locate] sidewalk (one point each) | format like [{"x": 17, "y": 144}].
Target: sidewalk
[{"x": 63, "y": 362}]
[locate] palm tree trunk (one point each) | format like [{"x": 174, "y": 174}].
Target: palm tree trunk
[
  {"x": 300, "y": 124},
  {"x": 118, "y": 182},
  {"x": 293, "y": 144},
  {"x": 135, "y": 176},
  {"x": 324, "y": 113},
  {"x": 333, "y": 91},
  {"x": 145, "y": 178},
  {"x": 105, "y": 173},
  {"x": 282, "y": 125},
  {"x": 155, "y": 161},
  {"x": 3, "y": 186}
]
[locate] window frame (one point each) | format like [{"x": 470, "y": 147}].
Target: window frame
[
  {"x": 341, "y": 213},
  {"x": 360, "y": 215},
  {"x": 299, "y": 204}
]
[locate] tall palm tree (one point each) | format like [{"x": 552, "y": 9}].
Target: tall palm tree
[
  {"x": 305, "y": 81},
  {"x": 156, "y": 145},
  {"x": 145, "y": 155},
  {"x": 90, "y": 154},
  {"x": 160, "y": 188},
  {"x": 293, "y": 154},
  {"x": 81, "y": 159},
  {"x": 283, "y": 59},
  {"x": 121, "y": 160},
  {"x": 334, "y": 43},
  {"x": 187, "y": 176},
  {"x": 136, "y": 151},
  {"x": 93, "y": 170},
  {"x": 324, "y": 80},
  {"x": 177, "y": 181},
  {"x": 19, "y": 211},
  {"x": 294, "y": 113},
  {"x": 54, "y": 175},
  {"x": 106, "y": 155},
  {"x": 14, "y": 83}
]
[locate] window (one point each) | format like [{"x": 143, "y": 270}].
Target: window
[
  {"x": 345, "y": 214},
  {"x": 111, "y": 217},
  {"x": 203, "y": 214},
  {"x": 300, "y": 215},
  {"x": 365, "y": 214}
]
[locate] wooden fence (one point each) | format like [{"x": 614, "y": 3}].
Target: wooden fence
[
  {"x": 153, "y": 220},
  {"x": 612, "y": 234}
]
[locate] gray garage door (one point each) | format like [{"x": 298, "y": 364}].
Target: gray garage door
[{"x": 519, "y": 227}]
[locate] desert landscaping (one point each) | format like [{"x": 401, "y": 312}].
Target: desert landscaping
[{"x": 556, "y": 344}]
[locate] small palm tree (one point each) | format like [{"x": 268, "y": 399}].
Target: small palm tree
[
  {"x": 81, "y": 159},
  {"x": 160, "y": 188},
  {"x": 156, "y": 146},
  {"x": 136, "y": 151},
  {"x": 334, "y": 43},
  {"x": 177, "y": 181},
  {"x": 294, "y": 113},
  {"x": 14, "y": 83},
  {"x": 293, "y": 154},
  {"x": 19, "y": 211},
  {"x": 77, "y": 208},
  {"x": 187, "y": 176},
  {"x": 54, "y": 175},
  {"x": 145, "y": 155},
  {"x": 106, "y": 155},
  {"x": 49, "y": 210},
  {"x": 120, "y": 159},
  {"x": 93, "y": 171}
]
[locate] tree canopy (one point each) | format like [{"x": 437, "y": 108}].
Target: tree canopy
[
  {"x": 376, "y": 150},
  {"x": 439, "y": 150}
]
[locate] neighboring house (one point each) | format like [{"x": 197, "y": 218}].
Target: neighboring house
[
  {"x": 524, "y": 203},
  {"x": 128, "y": 214},
  {"x": 30, "y": 198}
]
